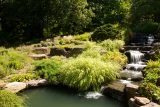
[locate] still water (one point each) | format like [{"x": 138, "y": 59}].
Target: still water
[{"x": 58, "y": 97}]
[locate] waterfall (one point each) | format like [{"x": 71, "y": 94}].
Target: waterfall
[
  {"x": 134, "y": 68},
  {"x": 136, "y": 57}
]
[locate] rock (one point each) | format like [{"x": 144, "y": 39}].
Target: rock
[
  {"x": 131, "y": 103},
  {"x": 58, "y": 51},
  {"x": 137, "y": 102},
  {"x": 115, "y": 90},
  {"x": 37, "y": 83},
  {"x": 131, "y": 90},
  {"x": 38, "y": 56},
  {"x": 41, "y": 50},
  {"x": 142, "y": 100},
  {"x": 15, "y": 86},
  {"x": 151, "y": 105}
]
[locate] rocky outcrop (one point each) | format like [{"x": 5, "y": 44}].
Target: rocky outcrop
[
  {"x": 115, "y": 90},
  {"x": 141, "y": 102},
  {"x": 15, "y": 86}
]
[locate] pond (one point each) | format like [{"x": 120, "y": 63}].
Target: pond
[{"x": 58, "y": 97}]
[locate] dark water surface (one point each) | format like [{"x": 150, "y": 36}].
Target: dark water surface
[{"x": 57, "y": 97}]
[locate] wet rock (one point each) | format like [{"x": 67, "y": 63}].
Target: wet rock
[
  {"x": 37, "y": 83},
  {"x": 142, "y": 100},
  {"x": 38, "y": 56},
  {"x": 131, "y": 90},
  {"x": 15, "y": 86},
  {"x": 115, "y": 90},
  {"x": 41, "y": 50}
]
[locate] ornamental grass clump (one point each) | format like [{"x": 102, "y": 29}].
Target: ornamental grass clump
[
  {"x": 88, "y": 73},
  {"x": 9, "y": 99},
  {"x": 112, "y": 45}
]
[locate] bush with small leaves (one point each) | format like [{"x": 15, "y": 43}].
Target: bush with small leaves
[
  {"x": 108, "y": 31},
  {"x": 48, "y": 69}
]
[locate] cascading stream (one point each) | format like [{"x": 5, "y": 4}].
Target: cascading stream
[{"x": 134, "y": 68}]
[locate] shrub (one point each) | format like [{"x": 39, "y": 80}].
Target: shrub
[
  {"x": 8, "y": 99},
  {"x": 151, "y": 91},
  {"x": 115, "y": 56},
  {"x": 88, "y": 73},
  {"x": 48, "y": 69},
  {"x": 23, "y": 77},
  {"x": 112, "y": 45},
  {"x": 108, "y": 31}
]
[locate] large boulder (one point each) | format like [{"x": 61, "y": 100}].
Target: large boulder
[
  {"x": 15, "y": 86},
  {"x": 115, "y": 90}
]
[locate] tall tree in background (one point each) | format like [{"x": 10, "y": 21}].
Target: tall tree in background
[{"x": 109, "y": 11}]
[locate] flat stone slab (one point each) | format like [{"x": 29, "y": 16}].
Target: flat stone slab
[
  {"x": 38, "y": 56},
  {"x": 15, "y": 86}
]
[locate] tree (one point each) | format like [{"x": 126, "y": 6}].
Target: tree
[{"x": 109, "y": 11}]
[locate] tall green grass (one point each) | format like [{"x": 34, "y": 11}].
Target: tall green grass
[{"x": 88, "y": 73}]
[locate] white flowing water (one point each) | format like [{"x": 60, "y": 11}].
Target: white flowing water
[{"x": 134, "y": 68}]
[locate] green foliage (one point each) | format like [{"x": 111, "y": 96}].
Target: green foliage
[
  {"x": 151, "y": 91},
  {"x": 83, "y": 37},
  {"x": 149, "y": 88},
  {"x": 147, "y": 26},
  {"x": 11, "y": 60},
  {"x": 145, "y": 9},
  {"x": 23, "y": 77},
  {"x": 109, "y": 11},
  {"x": 88, "y": 73},
  {"x": 9, "y": 99},
  {"x": 112, "y": 45},
  {"x": 48, "y": 69},
  {"x": 116, "y": 57},
  {"x": 92, "y": 53},
  {"x": 108, "y": 31}
]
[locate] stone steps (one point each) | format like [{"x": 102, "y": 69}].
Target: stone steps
[{"x": 140, "y": 48}]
